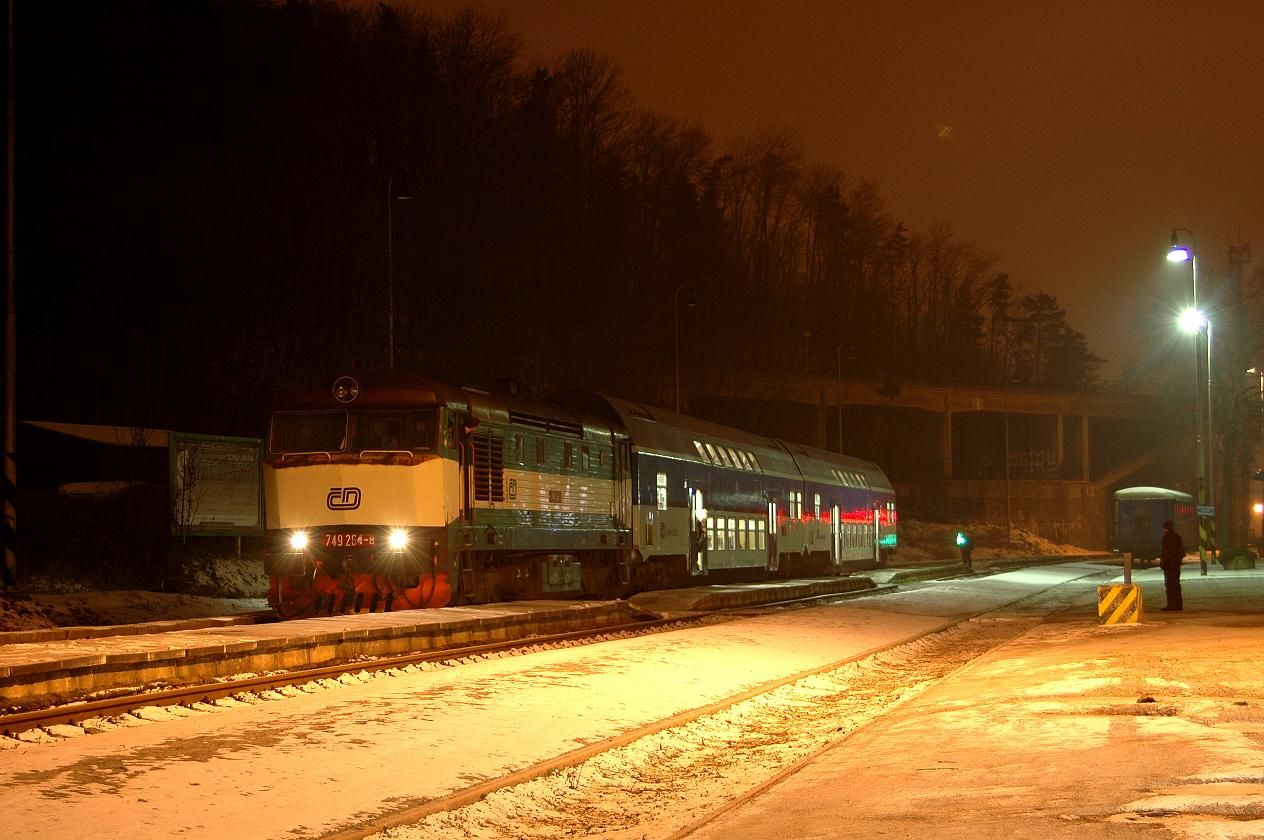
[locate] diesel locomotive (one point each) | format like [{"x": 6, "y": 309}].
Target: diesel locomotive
[{"x": 388, "y": 491}]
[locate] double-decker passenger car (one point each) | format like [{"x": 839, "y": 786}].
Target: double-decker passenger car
[{"x": 389, "y": 491}]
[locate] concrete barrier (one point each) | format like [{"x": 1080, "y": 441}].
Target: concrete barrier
[{"x": 1119, "y": 603}]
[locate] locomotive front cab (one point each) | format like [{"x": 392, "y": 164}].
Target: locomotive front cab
[{"x": 359, "y": 490}]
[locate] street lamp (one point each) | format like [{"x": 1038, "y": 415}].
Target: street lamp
[
  {"x": 1260, "y": 373},
  {"x": 1192, "y": 320},
  {"x": 391, "y": 198},
  {"x": 691, "y": 302}
]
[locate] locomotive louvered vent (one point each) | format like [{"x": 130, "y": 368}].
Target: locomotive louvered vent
[
  {"x": 489, "y": 468},
  {"x": 546, "y": 424}
]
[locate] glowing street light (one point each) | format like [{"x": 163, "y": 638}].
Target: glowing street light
[{"x": 1192, "y": 320}]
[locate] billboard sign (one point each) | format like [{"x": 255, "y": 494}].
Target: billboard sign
[{"x": 215, "y": 485}]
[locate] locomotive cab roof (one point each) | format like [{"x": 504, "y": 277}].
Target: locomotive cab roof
[{"x": 373, "y": 389}]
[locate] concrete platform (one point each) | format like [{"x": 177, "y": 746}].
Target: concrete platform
[
  {"x": 669, "y": 603},
  {"x": 75, "y": 661},
  {"x": 74, "y": 667},
  {"x": 1073, "y": 730},
  {"x": 69, "y": 663},
  {"x": 59, "y": 634}
]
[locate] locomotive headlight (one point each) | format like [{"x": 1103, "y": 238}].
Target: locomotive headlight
[
  {"x": 298, "y": 540},
  {"x": 397, "y": 539}
]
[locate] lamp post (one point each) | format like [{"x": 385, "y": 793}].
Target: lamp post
[
  {"x": 690, "y": 301},
  {"x": 838, "y": 385},
  {"x": 391, "y": 198},
  {"x": 1009, "y": 514},
  {"x": 1193, "y": 321},
  {"x": 838, "y": 393},
  {"x": 1260, "y": 373},
  {"x": 1260, "y": 508}
]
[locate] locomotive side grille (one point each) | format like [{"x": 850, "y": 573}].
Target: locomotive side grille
[{"x": 489, "y": 468}]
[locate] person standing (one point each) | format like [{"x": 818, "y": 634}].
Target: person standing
[
  {"x": 1172, "y": 556},
  {"x": 965, "y": 545}
]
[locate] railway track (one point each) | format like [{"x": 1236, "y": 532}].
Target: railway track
[{"x": 122, "y": 703}]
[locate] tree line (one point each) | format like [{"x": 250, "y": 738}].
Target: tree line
[{"x": 218, "y": 198}]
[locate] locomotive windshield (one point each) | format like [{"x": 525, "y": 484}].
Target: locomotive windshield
[
  {"x": 308, "y": 431},
  {"x": 371, "y": 431},
  {"x": 394, "y": 430}
]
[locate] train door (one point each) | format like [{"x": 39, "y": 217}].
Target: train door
[
  {"x": 465, "y": 462},
  {"x": 876, "y": 535},
  {"x": 772, "y": 534},
  {"x": 697, "y": 533},
  {"x": 836, "y": 535}
]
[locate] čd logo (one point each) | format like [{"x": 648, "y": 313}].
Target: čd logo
[{"x": 343, "y": 498}]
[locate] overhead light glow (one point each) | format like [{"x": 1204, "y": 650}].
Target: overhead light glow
[
  {"x": 1191, "y": 320},
  {"x": 398, "y": 539},
  {"x": 1259, "y": 507},
  {"x": 298, "y": 540},
  {"x": 1179, "y": 253}
]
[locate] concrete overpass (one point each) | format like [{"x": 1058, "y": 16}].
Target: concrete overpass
[{"x": 1046, "y": 460}]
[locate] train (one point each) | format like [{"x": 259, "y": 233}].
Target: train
[{"x": 385, "y": 490}]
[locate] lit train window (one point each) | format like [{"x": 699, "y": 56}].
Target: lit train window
[
  {"x": 732, "y": 534},
  {"x": 816, "y": 505},
  {"x": 710, "y": 533},
  {"x": 662, "y": 491},
  {"x": 763, "y": 534},
  {"x": 741, "y": 534}
]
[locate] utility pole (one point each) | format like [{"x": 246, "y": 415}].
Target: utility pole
[{"x": 9, "y": 572}]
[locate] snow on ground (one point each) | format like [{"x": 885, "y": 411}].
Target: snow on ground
[
  {"x": 923, "y": 541},
  {"x": 239, "y": 584}
]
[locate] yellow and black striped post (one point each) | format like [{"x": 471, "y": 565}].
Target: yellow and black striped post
[{"x": 1119, "y": 603}]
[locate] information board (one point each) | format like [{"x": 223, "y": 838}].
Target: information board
[{"x": 215, "y": 485}]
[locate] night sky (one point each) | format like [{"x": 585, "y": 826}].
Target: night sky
[{"x": 1069, "y": 137}]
